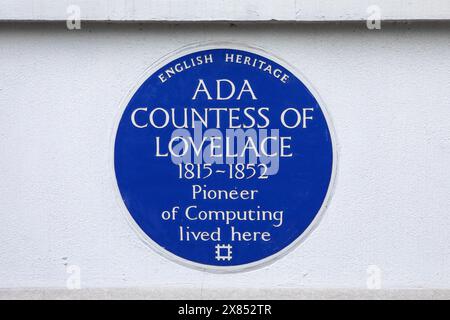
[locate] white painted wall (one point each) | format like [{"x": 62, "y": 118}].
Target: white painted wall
[
  {"x": 388, "y": 93},
  {"x": 230, "y": 10}
]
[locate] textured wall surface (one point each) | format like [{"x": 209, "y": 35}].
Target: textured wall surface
[
  {"x": 388, "y": 93},
  {"x": 231, "y": 10}
]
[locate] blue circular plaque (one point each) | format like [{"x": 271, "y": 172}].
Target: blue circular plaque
[{"x": 224, "y": 158}]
